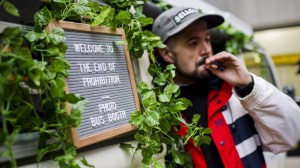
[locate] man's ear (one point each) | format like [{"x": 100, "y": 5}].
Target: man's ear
[{"x": 166, "y": 55}]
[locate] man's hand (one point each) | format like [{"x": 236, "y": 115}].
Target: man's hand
[{"x": 233, "y": 70}]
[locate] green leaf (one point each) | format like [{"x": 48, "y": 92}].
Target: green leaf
[
  {"x": 149, "y": 35},
  {"x": 153, "y": 70},
  {"x": 51, "y": 51},
  {"x": 42, "y": 18},
  {"x": 196, "y": 118},
  {"x": 152, "y": 118},
  {"x": 83, "y": 2},
  {"x": 121, "y": 42},
  {"x": 35, "y": 75},
  {"x": 157, "y": 164},
  {"x": 24, "y": 53},
  {"x": 177, "y": 157},
  {"x": 126, "y": 147},
  {"x": 80, "y": 105},
  {"x": 57, "y": 35},
  {"x": 186, "y": 101},
  {"x": 171, "y": 88},
  {"x": 57, "y": 88},
  {"x": 138, "y": 10},
  {"x": 85, "y": 162},
  {"x": 12, "y": 36},
  {"x": 65, "y": 157},
  {"x": 148, "y": 99},
  {"x": 199, "y": 140},
  {"x": 161, "y": 79},
  {"x": 160, "y": 44},
  {"x": 35, "y": 36},
  {"x": 155, "y": 146},
  {"x": 139, "y": 137},
  {"x": 106, "y": 14},
  {"x": 171, "y": 68},
  {"x": 70, "y": 148},
  {"x": 57, "y": 66},
  {"x": 95, "y": 7},
  {"x": 164, "y": 125},
  {"x": 74, "y": 98},
  {"x": 206, "y": 131},
  {"x": 123, "y": 17},
  {"x": 145, "y": 127},
  {"x": 10, "y": 8},
  {"x": 164, "y": 97},
  {"x": 145, "y": 21},
  {"x": 50, "y": 74},
  {"x": 61, "y": 1},
  {"x": 81, "y": 9},
  {"x": 136, "y": 118},
  {"x": 122, "y": 3},
  {"x": 147, "y": 156},
  {"x": 207, "y": 140},
  {"x": 147, "y": 94},
  {"x": 181, "y": 105},
  {"x": 75, "y": 118},
  {"x": 142, "y": 86}
]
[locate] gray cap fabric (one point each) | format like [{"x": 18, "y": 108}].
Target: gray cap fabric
[{"x": 176, "y": 19}]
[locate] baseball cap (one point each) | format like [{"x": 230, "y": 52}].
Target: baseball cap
[{"x": 176, "y": 19}]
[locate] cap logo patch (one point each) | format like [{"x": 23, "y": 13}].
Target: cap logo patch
[{"x": 183, "y": 14}]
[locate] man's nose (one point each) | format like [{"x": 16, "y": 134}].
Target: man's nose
[{"x": 205, "y": 49}]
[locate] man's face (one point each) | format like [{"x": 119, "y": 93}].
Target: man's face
[{"x": 189, "y": 49}]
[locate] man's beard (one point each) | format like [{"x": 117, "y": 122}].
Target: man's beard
[{"x": 196, "y": 75}]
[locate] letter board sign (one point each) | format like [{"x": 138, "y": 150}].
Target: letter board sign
[{"x": 101, "y": 72}]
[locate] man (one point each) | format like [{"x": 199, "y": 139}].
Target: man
[{"x": 245, "y": 113}]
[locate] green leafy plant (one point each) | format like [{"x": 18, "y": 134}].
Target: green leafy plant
[
  {"x": 237, "y": 40},
  {"x": 20, "y": 74},
  {"x": 37, "y": 60}
]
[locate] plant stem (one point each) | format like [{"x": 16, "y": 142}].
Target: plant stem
[
  {"x": 189, "y": 137},
  {"x": 164, "y": 133}
]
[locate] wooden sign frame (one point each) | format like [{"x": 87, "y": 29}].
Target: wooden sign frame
[{"x": 81, "y": 142}]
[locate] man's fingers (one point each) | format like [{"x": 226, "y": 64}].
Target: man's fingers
[{"x": 219, "y": 57}]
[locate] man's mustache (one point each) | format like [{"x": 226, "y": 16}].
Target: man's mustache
[{"x": 202, "y": 61}]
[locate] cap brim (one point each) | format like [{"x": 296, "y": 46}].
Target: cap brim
[{"x": 212, "y": 20}]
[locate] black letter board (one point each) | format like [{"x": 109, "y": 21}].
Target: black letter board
[{"x": 101, "y": 72}]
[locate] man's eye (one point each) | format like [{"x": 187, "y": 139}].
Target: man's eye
[{"x": 193, "y": 43}]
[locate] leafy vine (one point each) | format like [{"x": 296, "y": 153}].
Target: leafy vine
[
  {"x": 237, "y": 40},
  {"x": 33, "y": 69}
]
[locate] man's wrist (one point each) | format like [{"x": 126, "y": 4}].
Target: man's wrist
[{"x": 245, "y": 90}]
